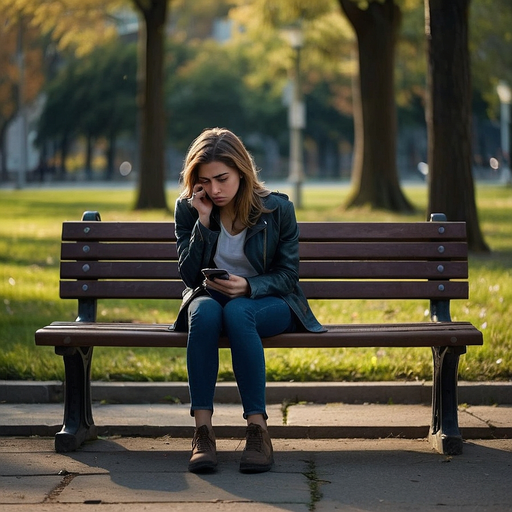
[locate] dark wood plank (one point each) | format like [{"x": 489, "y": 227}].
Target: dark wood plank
[
  {"x": 383, "y": 270},
  {"x": 119, "y": 270},
  {"x": 118, "y": 251},
  {"x": 312, "y": 289},
  {"x": 359, "y": 231},
  {"x": 385, "y": 289},
  {"x": 425, "y": 334},
  {"x": 313, "y": 231},
  {"x": 118, "y": 231},
  {"x": 121, "y": 289},
  {"x": 383, "y": 250},
  {"x": 307, "y": 270},
  {"x": 315, "y": 251}
]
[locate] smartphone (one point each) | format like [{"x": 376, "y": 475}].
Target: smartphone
[{"x": 215, "y": 273}]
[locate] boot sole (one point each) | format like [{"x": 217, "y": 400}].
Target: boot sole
[
  {"x": 255, "y": 468},
  {"x": 202, "y": 467}
]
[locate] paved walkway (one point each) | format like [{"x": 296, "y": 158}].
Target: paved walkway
[
  {"x": 329, "y": 457},
  {"x": 134, "y": 474}
]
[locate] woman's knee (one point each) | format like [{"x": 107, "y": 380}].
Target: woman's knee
[
  {"x": 237, "y": 311},
  {"x": 206, "y": 312}
]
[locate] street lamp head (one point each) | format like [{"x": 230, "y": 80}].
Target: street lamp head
[
  {"x": 295, "y": 36},
  {"x": 504, "y": 92}
]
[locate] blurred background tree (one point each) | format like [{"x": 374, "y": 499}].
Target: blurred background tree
[
  {"x": 22, "y": 71},
  {"x": 92, "y": 98}
]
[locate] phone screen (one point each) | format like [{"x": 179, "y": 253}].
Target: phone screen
[{"x": 215, "y": 273}]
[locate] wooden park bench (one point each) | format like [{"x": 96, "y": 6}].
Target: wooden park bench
[{"x": 338, "y": 260}]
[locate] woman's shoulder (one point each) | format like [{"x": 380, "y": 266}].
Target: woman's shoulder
[{"x": 275, "y": 200}]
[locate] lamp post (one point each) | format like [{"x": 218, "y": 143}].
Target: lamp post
[
  {"x": 505, "y": 95},
  {"x": 22, "y": 110},
  {"x": 296, "y": 118}
]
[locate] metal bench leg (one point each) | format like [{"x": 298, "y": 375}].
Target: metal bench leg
[
  {"x": 445, "y": 435},
  {"x": 78, "y": 425}
]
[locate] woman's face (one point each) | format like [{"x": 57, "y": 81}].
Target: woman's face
[{"x": 220, "y": 182}]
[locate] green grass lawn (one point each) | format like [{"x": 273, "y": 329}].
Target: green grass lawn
[{"x": 30, "y": 225}]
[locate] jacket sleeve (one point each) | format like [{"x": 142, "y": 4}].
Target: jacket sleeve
[
  {"x": 281, "y": 249},
  {"x": 195, "y": 244}
]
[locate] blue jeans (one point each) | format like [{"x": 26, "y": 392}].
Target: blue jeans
[{"x": 244, "y": 321}]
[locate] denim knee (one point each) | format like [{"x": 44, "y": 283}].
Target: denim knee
[
  {"x": 238, "y": 311},
  {"x": 205, "y": 313}
]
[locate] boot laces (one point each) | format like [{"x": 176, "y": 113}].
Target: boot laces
[
  {"x": 202, "y": 441},
  {"x": 254, "y": 438}
]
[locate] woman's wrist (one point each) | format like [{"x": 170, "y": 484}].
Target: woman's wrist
[{"x": 205, "y": 221}]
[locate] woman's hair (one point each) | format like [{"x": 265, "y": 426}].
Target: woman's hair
[{"x": 222, "y": 145}]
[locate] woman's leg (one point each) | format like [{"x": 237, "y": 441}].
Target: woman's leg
[
  {"x": 205, "y": 326},
  {"x": 246, "y": 321}
]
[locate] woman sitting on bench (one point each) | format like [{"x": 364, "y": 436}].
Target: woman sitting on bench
[{"x": 226, "y": 219}]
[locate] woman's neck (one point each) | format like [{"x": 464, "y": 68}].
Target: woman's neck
[{"x": 232, "y": 224}]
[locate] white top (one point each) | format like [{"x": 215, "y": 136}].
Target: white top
[{"x": 230, "y": 253}]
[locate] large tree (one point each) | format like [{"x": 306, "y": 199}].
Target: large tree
[
  {"x": 151, "y": 192},
  {"x": 451, "y": 188},
  {"x": 374, "y": 175}
]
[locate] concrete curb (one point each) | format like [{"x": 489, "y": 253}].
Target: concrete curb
[
  {"x": 473, "y": 393},
  {"x": 295, "y": 421}
]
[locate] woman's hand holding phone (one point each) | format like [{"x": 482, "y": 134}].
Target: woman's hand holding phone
[{"x": 225, "y": 283}]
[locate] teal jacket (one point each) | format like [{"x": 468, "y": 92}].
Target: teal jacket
[{"x": 271, "y": 246}]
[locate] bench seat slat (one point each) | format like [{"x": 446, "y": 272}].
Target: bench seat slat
[
  {"x": 313, "y": 289},
  {"x": 307, "y": 270},
  {"x": 425, "y": 334}
]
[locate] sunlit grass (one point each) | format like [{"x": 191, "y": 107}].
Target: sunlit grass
[{"x": 30, "y": 230}]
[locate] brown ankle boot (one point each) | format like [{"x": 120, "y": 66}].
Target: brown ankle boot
[
  {"x": 204, "y": 454},
  {"x": 258, "y": 455}
]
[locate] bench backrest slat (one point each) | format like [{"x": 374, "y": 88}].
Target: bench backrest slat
[
  {"x": 392, "y": 250},
  {"x": 359, "y": 231},
  {"x": 312, "y": 289},
  {"x": 307, "y": 269},
  {"x": 338, "y": 260},
  {"x": 307, "y": 251},
  {"x": 309, "y": 231}
]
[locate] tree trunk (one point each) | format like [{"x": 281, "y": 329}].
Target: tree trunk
[
  {"x": 4, "y": 176},
  {"x": 151, "y": 192},
  {"x": 88, "y": 157},
  {"x": 375, "y": 176},
  {"x": 64, "y": 150},
  {"x": 111, "y": 156},
  {"x": 451, "y": 188}
]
